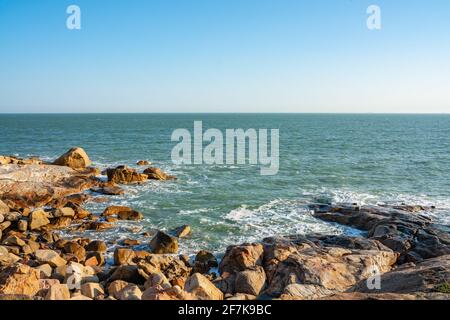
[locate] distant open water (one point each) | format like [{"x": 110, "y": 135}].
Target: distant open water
[{"x": 367, "y": 159}]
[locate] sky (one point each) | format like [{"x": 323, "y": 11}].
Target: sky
[{"x": 225, "y": 56}]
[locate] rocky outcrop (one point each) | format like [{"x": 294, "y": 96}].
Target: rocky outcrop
[
  {"x": 38, "y": 185},
  {"x": 125, "y": 175},
  {"x": 404, "y": 229},
  {"x": 75, "y": 158}
]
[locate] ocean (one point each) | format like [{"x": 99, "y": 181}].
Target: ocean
[{"x": 364, "y": 158}]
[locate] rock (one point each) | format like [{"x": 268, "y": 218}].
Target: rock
[
  {"x": 125, "y": 175},
  {"x": 92, "y": 290},
  {"x": 158, "y": 174},
  {"x": 240, "y": 258},
  {"x": 143, "y": 163},
  {"x": 157, "y": 279},
  {"x": 426, "y": 276},
  {"x": 130, "y": 215},
  {"x": 173, "y": 268},
  {"x": 7, "y": 258},
  {"x": 75, "y": 249},
  {"x": 38, "y": 219},
  {"x": 3, "y": 208},
  {"x": 75, "y": 274},
  {"x": 163, "y": 243},
  {"x": 313, "y": 261},
  {"x": 94, "y": 258},
  {"x": 75, "y": 158},
  {"x": 182, "y": 231},
  {"x": 201, "y": 287},
  {"x": 58, "y": 292},
  {"x": 2, "y": 218},
  {"x": 19, "y": 279},
  {"x": 14, "y": 241},
  {"x": 403, "y": 229},
  {"x": 80, "y": 297},
  {"x": 33, "y": 186},
  {"x": 115, "y": 287},
  {"x": 99, "y": 226},
  {"x": 123, "y": 256},
  {"x": 96, "y": 245},
  {"x": 250, "y": 281},
  {"x": 12, "y": 216},
  {"x": 22, "y": 225},
  {"x": 130, "y": 292},
  {"x": 306, "y": 291},
  {"x": 45, "y": 271},
  {"x": 109, "y": 191},
  {"x": 65, "y": 212},
  {"x": 130, "y": 242},
  {"x": 50, "y": 257},
  {"x": 127, "y": 273},
  {"x": 204, "y": 261},
  {"x": 369, "y": 296},
  {"x": 62, "y": 222}
]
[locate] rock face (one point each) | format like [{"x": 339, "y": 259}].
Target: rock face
[
  {"x": 158, "y": 174},
  {"x": 19, "y": 279},
  {"x": 38, "y": 185},
  {"x": 75, "y": 158},
  {"x": 163, "y": 243},
  {"x": 403, "y": 229},
  {"x": 125, "y": 175}
]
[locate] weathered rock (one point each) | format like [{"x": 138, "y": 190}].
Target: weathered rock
[
  {"x": 123, "y": 256},
  {"x": 127, "y": 273},
  {"x": 96, "y": 245},
  {"x": 182, "y": 231},
  {"x": 75, "y": 249},
  {"x": 64, "y": 212},
  {"x": 75, "y": 158},
  {"x": 201, "y": 287},
  {"x": 130, "y": 292},
  {"x": 130, "y": 242},
  {"x": 250, "y": 281},
  {"x": 163, "y": 243},
  {"x": 62, "y": 222},
  {"x": 3, "y": 208},
  {"x": 94, "y": 258},
  {"x": 157, "y": 174},
  {"x": 125, "y": 175},
  {"x": 109, "y": 191},
  {"x": 115, "y": 287},
  {"x": 13, "y": 241},
  {"x": 58, "y": 292},
  {"x": 204, "y": 261},
  {"x": 173, "y": 268},
  {"x": 311, "y": 261},
  {"x": 130, "y": 215},
  {"x": 426, "y": 276},
  {"x": 45, "y": 271},
  {"x": 402, "y": 228},
  {"x": 19, "y": 279},
  {"x": 22, "y": 225},
  {"x": 50, "y": 257},
  {"x": 157, "y": 279},
  {"x": 32, "y": 186},
  {"x": 92, "y": 290},
  {"x": 38, "y": 219},
  {"x": 240, "y": 258},
  {"x": 143, "y": 163}
]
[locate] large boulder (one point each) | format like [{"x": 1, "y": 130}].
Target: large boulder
[
  {"x": 38, "y": 219},
  {"x": 75, "y": 158},
  {"x": 45, "y": 256},
  {"x": 125, "y": 175},
  {"x": 19, "y": 279}
]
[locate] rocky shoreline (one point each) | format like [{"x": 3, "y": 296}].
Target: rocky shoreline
[{"x": 404, "y": 254}]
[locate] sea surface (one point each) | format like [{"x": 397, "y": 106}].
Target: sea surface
[{"x": 367, "y": 159}]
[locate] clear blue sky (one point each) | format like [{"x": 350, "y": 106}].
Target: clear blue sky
[{"x": 224, "y": 56}]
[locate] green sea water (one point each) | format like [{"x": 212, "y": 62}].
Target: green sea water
[{"x": 323, "y": 158}]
